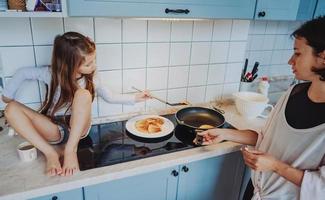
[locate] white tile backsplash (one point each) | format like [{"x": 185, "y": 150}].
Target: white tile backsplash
[
  {"x": 15, "y": 31},
  {"x": 108, "y": 30},
  {"x": 222, "y": 30},
  {"x": 196, "y": 94},
  {"x": 181, "y": 31},
  {"x": 134, "y": 30},
  {"x": 200, "y": 53},
  {"x": 159, "y": 31},
  {"x": 216, "y": 73},
  {"x": 158, "y": 54},
  {"x": 240, "y": 30},
  {"x": 198, "y": 75},
  {"x": 271, "y": 27},
  {"x": 229, "y": 89},
  {"x": 153, "y": 104},
  {"x": 202, "y": 30},
  {"x": 134, "y": 55},
  {"x": 111, "y": 80},
  {"x": 219, "y": 52},
  {"x": 213, "y": 93},
  {"x": 268, "y": 42},
  {"x": 83, "y": 25},
  {"x": 175, "y": 60},
  {"x": 157, "y": 78},
  {"x": 236, "y": 51},
  {"x": 258, "y": 27},
  {"x": 45, "y": 30},
  {"x": 177, "y": 95},
  {"x": 180, "y": 53},
  {"x": 14, "y": 58},
  {"x": 233, "y": 72},
  {"x": 43, "y": 55},
  {"x": 135, "y": 78},
  {"x": 178, "y": 76},
  {"x": 109, "y": 56}
]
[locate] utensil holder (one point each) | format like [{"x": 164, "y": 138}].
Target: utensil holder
[{"x": 248, "y": 86}]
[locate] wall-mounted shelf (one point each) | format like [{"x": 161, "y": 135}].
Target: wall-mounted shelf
[
  {"x": 63, "y": 13},
  {"x": 31, "y": 14}
]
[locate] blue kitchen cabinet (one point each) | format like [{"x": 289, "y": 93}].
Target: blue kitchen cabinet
[
  {"x": 284, "y": 9},
  {"x": 306, "y": 9},
  {"x": 214, "y": 178},
  {"x": 320, "y": 9},
  {"x": 157, "y": 185},
  {"x": 243, "y": 9},
  {"x": 75, "y": 194}
]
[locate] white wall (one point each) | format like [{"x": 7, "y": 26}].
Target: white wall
[{"x": 195, "y": 60}]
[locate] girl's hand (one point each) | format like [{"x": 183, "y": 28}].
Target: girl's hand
[
  {"x": 258, "y": 160},
  {"x": 142, "y": 96},
  {"x": 212, "y": 136}
]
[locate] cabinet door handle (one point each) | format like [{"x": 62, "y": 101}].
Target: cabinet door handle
[
  {"x": 177, "y": 11},
  {"x": 261, "y": 14},
  {"x": 175, "y": 173},
  {"x": 55, "y": 198},
  {"x": 185, "y": 169}
]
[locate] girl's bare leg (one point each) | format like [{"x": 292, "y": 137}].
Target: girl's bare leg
[
  {"x": 38, "y": 130},
  {"x": 79, "y": 123}
]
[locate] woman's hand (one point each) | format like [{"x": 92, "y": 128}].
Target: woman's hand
[
  {"x": 212, "y": 136},
  {"x": 258, "y": 160},
  {"x": 142, "y": 96}
]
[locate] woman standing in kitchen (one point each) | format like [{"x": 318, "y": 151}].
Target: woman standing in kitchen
[
  {"x": 288, "y": 161},
  {"x": 65, "y": 116}
]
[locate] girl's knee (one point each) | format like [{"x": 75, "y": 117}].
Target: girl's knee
[{"x": 11, "y": 108}]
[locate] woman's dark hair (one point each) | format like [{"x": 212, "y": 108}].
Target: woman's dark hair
[{"x": 314, "y": 33}]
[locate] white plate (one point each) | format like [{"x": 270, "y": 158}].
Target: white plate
[{"x": 166, "y": 128}]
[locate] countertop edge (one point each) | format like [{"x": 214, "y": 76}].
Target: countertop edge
[{"x": 201, "y": 153}]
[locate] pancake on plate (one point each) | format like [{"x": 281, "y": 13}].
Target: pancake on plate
[{"x": 149, "y": 125}]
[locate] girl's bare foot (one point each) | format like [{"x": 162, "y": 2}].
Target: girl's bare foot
[
  {"x": 53, "y": 166},
  {"x": 70, "y": 163}
]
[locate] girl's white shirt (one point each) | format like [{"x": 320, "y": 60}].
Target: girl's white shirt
[
  {"x": 43, "y": 74},
  {"x": 301, "y": 148}
]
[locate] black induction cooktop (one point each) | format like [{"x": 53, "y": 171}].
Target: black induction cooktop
[{"x": 109, "y": 144}]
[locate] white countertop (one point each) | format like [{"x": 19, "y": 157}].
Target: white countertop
[{"x": 21, "y": 180}]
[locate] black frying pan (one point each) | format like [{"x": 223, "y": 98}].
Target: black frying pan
[{"x": 194, "y": 117}]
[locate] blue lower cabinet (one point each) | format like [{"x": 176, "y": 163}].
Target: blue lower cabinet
[
  {"x": 157, "y": 185},
  {"x": 214, "y": 178},
  {"x": 67, "y": 195}
]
